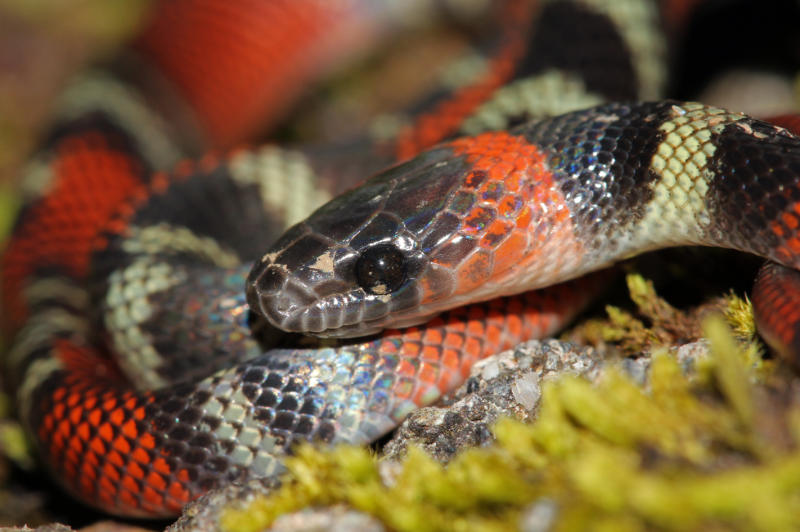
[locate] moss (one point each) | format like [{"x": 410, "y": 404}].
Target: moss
[
  {"x": 655, "y": 322},
  {"x": 93, "y": 18},
  {"x": 9, "y": 205},
  {"x": 739, "y": 313},
  {"x": 714, "y": 451},
  {"x": 14, "y": 445}
]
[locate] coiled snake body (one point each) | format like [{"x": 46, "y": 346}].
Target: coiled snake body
[{"x": 469, "y": 220}]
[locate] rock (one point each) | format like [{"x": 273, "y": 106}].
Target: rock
[
  {"x": 204, "y": 513},
  {"x": 508, "y": 384},
  {"x": 539, "y": 516},
  {"x": 333, "y": 519}
]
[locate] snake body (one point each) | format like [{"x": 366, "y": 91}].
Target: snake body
[{"x": 117, "y": 257}]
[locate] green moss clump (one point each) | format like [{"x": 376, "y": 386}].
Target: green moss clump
[
  {"x": 9, "y": 205},
  {"x": 739, "y": 314},
  {"x": 684, "y": 453},
  {"x": 660, "y": 324},
  {"x": 655, "y": 323}
]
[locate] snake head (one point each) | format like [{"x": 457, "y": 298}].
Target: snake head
[
  {"x": 363, "y": 257},
  {"x": 450, "y": 227}
]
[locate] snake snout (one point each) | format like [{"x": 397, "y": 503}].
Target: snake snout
[
  {"x": 275, "y": 296},
  {"x": 303, "y": 299}
]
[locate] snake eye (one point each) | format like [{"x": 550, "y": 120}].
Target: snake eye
[{"x": 381, "y": 269}]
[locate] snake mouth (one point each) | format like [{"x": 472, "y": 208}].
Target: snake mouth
[
  {"x": 340, "y": 315},
  {"x": 294, "y": 310}
]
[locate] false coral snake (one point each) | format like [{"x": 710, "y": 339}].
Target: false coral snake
[{"x": 115, "y": 256}]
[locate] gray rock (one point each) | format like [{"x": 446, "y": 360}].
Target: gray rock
[
  {"x": 333, "y": 519},
  {"x": 508, "y": 384},
  {"x": 204, "y": 513},
  {"x": 539, "y": 516}
]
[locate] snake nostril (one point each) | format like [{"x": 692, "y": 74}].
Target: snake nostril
[
  {"x": 286, "y": 307},
  {"x": 261, "y": 286},
  {"x": 271, "y": 280}
]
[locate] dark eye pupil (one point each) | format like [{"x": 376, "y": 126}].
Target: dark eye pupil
[{"x": 381, "y": 269}]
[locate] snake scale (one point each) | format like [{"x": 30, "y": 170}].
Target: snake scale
[{"x": 140, "y": 319}]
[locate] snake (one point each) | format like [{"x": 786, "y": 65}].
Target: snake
[{"x": 147, "y": 358}]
